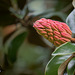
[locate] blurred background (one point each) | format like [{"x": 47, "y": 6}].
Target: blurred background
[{"x": 22, "y": 50}]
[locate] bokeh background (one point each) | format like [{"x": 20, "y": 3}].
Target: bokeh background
[{"x": 22, "y": 50}]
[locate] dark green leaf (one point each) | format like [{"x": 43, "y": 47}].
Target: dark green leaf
[
  {"x": 14, "y": 46},
  {"x": 71, "y": 67},
  {"x": 54, "y": 63},
  {"x": 65, "y": 49}
]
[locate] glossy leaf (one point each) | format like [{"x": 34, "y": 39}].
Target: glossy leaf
[
  {"x": 65, "y": 49},
  {"x": 63, "y": 66},
  {"x": 71, "y": 67},
  {"x": 71, "y": 21},
  {"x": 14, "y": 46},
  {"x": 54, "y": 63}
]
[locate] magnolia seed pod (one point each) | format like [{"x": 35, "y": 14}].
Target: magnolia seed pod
[{"x": 54, "y": 31}]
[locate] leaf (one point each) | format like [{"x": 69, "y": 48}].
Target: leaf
[
  {"x": 25, "y": 11},
  {"x": 14, "y": 46},
  {"x": 73, "y": 3},
  {"x": 71, "y": 21},
  {"x": 63, "y": 66},
  {"x": 50, "y": 13},
  {"x": 20, "y": 13},
  {"x": 16, "y": 13},
  {"x": 61, "y": 58},
  {"x": 12, "y": 43},
  {"x": 59, "y": 14},
  {"x": 54, "y": 63},
  {"x": 45, "y": 12},
  {"x": 71, "y": 67},
  {"x": 65, "y": 49},
  {"x": 36, "y": 10}
]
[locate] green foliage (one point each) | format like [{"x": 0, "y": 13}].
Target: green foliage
[
  {"x": 13, "y": 43},
  {"x": 28, "y": 58},
  {"x": 61, "y": 54},
  {"x": 20, "y": 13},
  {"x": 65, "y": 49},
  {"x": 71, "y": 21},
  {"x": 71, "y": 67},
  {"x": 14, "y": 46},
  {"x": 54, "y": 63},
  {"x": 63, "y": 60}
]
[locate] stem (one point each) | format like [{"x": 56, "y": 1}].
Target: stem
[{"x": 73, "y": 40}]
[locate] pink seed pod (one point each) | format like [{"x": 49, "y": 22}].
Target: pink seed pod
[{"x": 54, "y": 31}]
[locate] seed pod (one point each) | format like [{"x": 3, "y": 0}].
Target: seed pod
[{"x": 55, "y": 31}]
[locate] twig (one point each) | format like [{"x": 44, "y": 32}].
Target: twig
[{"x": 73, "y": 40}]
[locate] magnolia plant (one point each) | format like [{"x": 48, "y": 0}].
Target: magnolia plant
[
  {"x": 23, "y": 51},
  {"x": 57, "y": 33}
]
